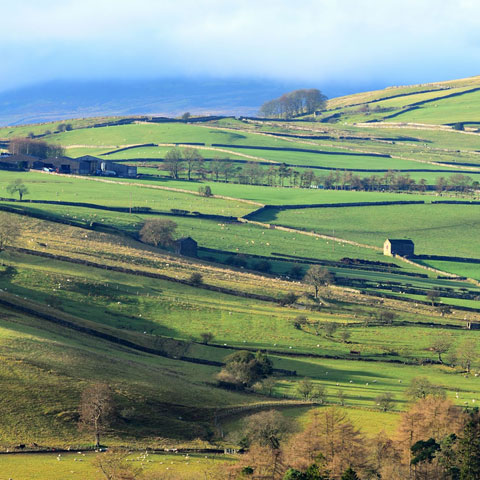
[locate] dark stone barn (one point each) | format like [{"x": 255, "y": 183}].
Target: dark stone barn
[
  {"x": 404, "y": 248},
  {"x": 186, "y": 246}
]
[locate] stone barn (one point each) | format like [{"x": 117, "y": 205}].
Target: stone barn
[
  {"x": 186, "y": 246},
  {"x": 404, "y": 248}
]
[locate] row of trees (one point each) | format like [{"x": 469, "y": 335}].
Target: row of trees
[
  {"x": 188, "y": 160},
  {"x": 435, "y": 440},
  {"x": 292, "y": 104},
  {"x": 192, "y": 165},
  {"x": 35, "y": 148}
]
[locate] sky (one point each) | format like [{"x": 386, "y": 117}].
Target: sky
[{"x": 316, "y": 42}]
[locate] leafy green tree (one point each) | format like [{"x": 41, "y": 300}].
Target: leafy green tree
[
  {"x": 300, "y": 321},
  {"x": 447, "y": 457},
  {"x": 243, "y": 368},
  {"x": 17, "y": 186},
  {"x": 469, "y": 448},
  {"x": 424, "y": 451}
]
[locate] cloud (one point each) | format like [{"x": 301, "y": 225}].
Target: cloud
[{"x": 316, "y": 41}]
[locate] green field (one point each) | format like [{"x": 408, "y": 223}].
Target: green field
[
  {"x": 450, "y": 230},
  {"x": 43, "y": 186},
  {"x": 134, "y": 317},
  {"x": 81, "y": 465},
  {"x": 449, "y": 110}
]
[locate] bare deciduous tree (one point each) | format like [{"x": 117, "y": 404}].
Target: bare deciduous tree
[
  {"x": 113, "y": 465},
  {"x": 96, "y": 409},
  {"x": 441, "y": 345},
  {"x": 158, "y": 232},
  {"x": 318, "y": 276},
  {"x": 173, "y": 162}
]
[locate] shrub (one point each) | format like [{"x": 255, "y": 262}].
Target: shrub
[
  {"x": 288, "y": 299},
  {"x": 205, "y": 191},
  {"x": 262, "y": 266},
  {"x": 207, "y": 337},
  {"x": 196, "y": 279}
]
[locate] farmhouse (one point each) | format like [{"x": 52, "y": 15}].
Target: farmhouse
[
  {"x": 392, "y": 247},
  {"x": 186, "y": 246}
]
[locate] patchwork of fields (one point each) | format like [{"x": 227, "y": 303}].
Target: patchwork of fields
[{"x": 83, "y": 300}]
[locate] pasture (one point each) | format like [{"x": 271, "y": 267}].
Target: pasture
[
  {"x": 73, "y": 466},
  {"x": 164, "y": 380},
  {"x": 436, "y": 229}
]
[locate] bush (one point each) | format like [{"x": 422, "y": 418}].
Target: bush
[
  {"x": 236, "y": 261},
  {"x": 288, "y": 299},
  {"x": 207, "y": 337},
  {"x": 296, "y": 272},
  {"x": 243, "y": 369},
  {"x": 205, "y": 191},
  {"x": 196, "y": 279},
  {"x": 300, "y": 321},
  {"x": 262, "y": 266}
]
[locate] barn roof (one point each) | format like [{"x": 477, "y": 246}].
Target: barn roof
[
  {"x": 400, "y": 241},
  {"x": 88, "y": 158},
  {"x": 184, "y": 239},
  {"x": 17, "y": 157}
]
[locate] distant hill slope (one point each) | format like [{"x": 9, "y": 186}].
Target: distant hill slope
[
  {"x": 438, "y": 103},
  {"x": 170, "y": 97}
]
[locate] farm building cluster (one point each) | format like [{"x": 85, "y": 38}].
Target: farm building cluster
[{"x": 86, "y": 165}]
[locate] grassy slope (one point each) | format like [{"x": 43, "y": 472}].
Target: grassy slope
[
  {"x": 45, "y": 357},
  {"x": 56, "y": 364},
  {"x": 435, "y": 228},
  {"x": 120, "y": 194}
]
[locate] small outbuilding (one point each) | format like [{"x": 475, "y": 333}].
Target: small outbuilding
[
  {"x": 186, "y": 246},
  {"x": 404, "y": 248}
]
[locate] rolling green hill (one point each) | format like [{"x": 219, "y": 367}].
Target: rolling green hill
[{"x": 83, "y": 300}]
